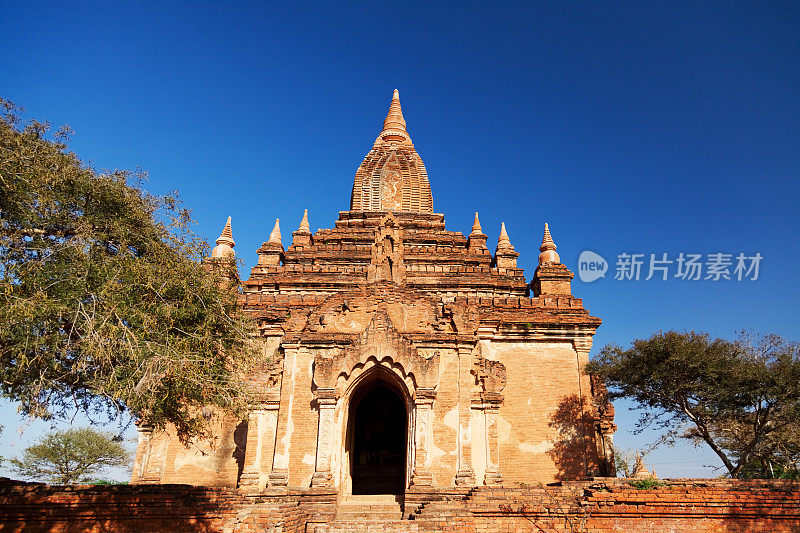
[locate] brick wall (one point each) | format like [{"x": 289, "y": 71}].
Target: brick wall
[
  {"x": 614, "y": 505},
  {"x": 600, "y": 505},
  {"x": 545, "y": 432}
]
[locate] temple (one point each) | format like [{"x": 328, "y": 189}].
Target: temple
[{"x": 401, "y": 356}]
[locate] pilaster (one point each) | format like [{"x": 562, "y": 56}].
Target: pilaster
[
  {"x": 490, "y": 402},
  {"x": 465, "y": 475},
  {"x": 279, "y": 475},
  {"x": 262, "y": 426},
  {"x": 145, "y": 436},
  {"x": 423, "y": 412},
  {"x": 326, "y": 402}
]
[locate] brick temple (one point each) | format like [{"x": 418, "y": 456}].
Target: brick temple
[{"x": 402, "y": 356}]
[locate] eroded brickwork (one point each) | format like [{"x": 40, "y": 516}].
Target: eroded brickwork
[{"x": 600, "y": 505}]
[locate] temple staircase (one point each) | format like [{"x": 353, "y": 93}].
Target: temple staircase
[{"x": 386, "y": 513}]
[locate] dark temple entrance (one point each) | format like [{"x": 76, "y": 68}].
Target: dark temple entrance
[{"x": 378, "y": 427}]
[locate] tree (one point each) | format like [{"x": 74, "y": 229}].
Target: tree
[
  {"x": 70, "y": 456},
  {"x": 735, "y": 396},
  {"x": 104, "y": 303},
  {"x": 776, "y": 456}
]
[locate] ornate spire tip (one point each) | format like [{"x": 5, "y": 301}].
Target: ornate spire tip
[
  {"x": 548, "y": 248},
  {"x": 394, "y": 127},
  {"x": 275, "y": 235},
  {"x": 225, "y": 243},
  {"x": 476, "y": 226},
  {"x": 503, "y": 242},
  {"x": 304, "y": 227}
]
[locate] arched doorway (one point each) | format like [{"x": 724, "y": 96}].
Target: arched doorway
[{"x": 377, "y": 432}]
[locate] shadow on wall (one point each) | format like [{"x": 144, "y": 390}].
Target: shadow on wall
[
  {"x": 573, "y": 452},
  {"x": 240, "y": 440}
]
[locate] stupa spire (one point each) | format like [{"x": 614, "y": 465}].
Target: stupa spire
[
  {"x": 271, "y": 252},
  {"x": 225, "y": 243},
  {"x": 476, "y": 226},
  {"x": 505, "y": 256},
  {"x": 227, "y": 235},
  {"x": 302, "y": 237},
  {"x": 275, "y": 235},
  {"x": 476, "y": 239},
  {"x": 394, "y": 119},
  {"x": 304, "y": 227},
  {"x": 392, "y": 176},
  {"x": 548, "y": 248},
  {"x": 394, "y": 126},
  {"x": 503, "y": 241}
]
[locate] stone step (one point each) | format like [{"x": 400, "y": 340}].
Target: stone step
[
  {"x": 368, "y": 516},
  {"x": 369, "y": 508},
  {"x": 368, "y": 526},
  {"x": 380, "y": 507},
  {"x": 439, "y": 511}
]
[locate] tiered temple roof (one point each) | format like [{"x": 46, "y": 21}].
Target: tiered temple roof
[{"x": 391, "y": 235}]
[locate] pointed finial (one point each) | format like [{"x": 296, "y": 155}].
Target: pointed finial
[
  {"x": 227, "y": 235},
  {"x": 503, "y": 241},
  {"x": 394, "y": 127},
  {"x": 304, "y": 228},
  {"x": 476, "y": 226},
  {"x": 225, "y": 243},
  {"x": 275, "y": 235},
  {"x": 548, "y": 239},
  {"x": 504, "y": 255},
  {"x": 548, "y": 248}
]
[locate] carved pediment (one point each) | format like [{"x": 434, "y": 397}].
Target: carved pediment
[
  {"x": 351, "y": 312},
  {"x": 379, "y": 344},
  {"x": 381, "y": 333}
]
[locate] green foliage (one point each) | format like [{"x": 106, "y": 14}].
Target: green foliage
[
  {"x": 646, "y": 483},
  {"x": 70, "y": 456},
  {"x": 104, "y": 303},
  {"x": 107, "y": 482},
  {"x": 737, "y": 397}
]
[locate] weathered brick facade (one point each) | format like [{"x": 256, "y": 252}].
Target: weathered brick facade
[
  {"x": 401, "y": 354},
  {"x": 600, "y": 506}
]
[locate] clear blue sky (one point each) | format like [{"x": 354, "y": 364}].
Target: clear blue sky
[{"x": 644, "y": 127}]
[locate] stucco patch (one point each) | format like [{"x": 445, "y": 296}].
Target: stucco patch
[
  {"x": 542, "y": 447},
  {"x": 196, "y": 459},
  {"x": 451, "y": 418},
  {"x": 503, "y": 429},
  {"x": 436, "y": 453}
]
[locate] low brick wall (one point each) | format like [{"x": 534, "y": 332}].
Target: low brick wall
[
  {"x": 34, "y": 507},
  {"x": 600, "y": 505},
  {"x": 614, "y": 505}
]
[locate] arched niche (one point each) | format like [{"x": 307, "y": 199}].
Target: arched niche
[{"x": 374, "y": 382}]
